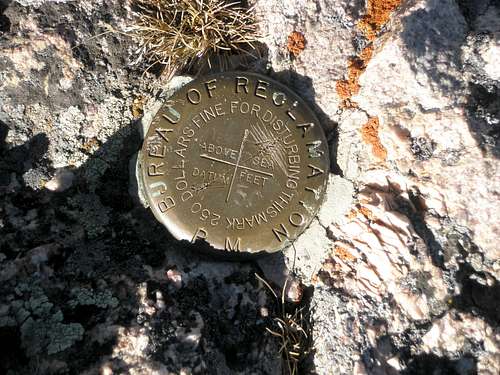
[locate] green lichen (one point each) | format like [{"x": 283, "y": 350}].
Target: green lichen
[
  {"x": 94, "y": 170},
  {"x": 89, "y": 211},
  {"x": 87, "y": 297},
  {"x": 63, "y": 336},
  {"x": 19, "y": 312},
  {"x": 5, "y": 319},
  {"x": 50, "y": 334},
  {"x": 39, "y": 305},
  {"x": 42, "y": 324}
]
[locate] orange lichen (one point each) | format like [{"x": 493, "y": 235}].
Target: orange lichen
[
  {"x": 366, "y": 213},
  {"x": 138, "y": 106},
  {"x": 366, "y": 54},
  {"x": 370, "y": 135},
  {"x": 361, "y": 210},
  {"x": 352, "y": 214},
  {"x": 357, "y": 65},
  {"x": 345, "y": 89},
  {"x": 90, "y": 146},
  {"x": 343, "y": 254},
  {"x": 296, "y": 43},
  {"x": 378, "y": 13},
  {"x": 335, "y": 266}
]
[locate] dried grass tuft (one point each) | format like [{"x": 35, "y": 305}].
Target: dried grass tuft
[
  {"x": 184, "y": 34},
  {"x": 293, "y": 329}
]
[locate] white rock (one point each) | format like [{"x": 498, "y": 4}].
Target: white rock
[
  {"x": 62, "y": 180},
  {"x": 338, "y": 200},
  {"x": 309, "y": 251}
]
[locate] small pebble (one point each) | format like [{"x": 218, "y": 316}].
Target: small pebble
[
  {"x": 293, "y": 291},
  {"x": 175, "y": 277},
  {"x": 62, "y": 180},
  {"x": 264, "y": 312}
]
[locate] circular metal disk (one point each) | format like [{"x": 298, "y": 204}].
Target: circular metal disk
[{"x": 235, "y": 160}]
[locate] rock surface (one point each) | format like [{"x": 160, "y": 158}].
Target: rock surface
[{"x": 400, "y": 271}]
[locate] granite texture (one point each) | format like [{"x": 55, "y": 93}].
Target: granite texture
[{"x": 399, "y": 272}]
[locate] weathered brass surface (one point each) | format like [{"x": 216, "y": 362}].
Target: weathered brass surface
[{"x": 235, "y": 160}]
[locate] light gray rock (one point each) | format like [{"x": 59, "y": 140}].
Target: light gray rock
[
  {"x": 338, "y": 201},
  {"x": 399, "y": 273}
]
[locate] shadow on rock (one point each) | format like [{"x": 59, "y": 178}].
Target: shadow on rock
[
  {"x": 433, "y": 50},
  {"x": 480, "y": 292},
  {"x": 4, "y": 20},
  {"x": 89, "y": 278},
  {"x": 434, "y": 44},
  {"x": 483, "y": 103},
  {"x": 483, "y": 113},
  {"x": 443, "y": 39},
  {"x": 432, "y": 364},
  {"x": 376, "y": 359},
  {"x": 303, "y": 85},
  {"x": 477, "y": 296},
  {"x": 86, "y": 273},
  {"x": 75, "y": 262}
]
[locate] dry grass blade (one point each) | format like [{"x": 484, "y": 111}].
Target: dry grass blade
[
  {"x": 291, "y": 328},
  {"x": 182, "y": 34}
]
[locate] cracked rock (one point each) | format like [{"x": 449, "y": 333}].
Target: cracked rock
[{"x": 398, "y": 274}]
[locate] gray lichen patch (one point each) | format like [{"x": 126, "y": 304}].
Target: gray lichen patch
[
  {"x": 404, "y": 271},
  {"x": 86, "y": 297},
  {"x": 89, "y": 212},
  {"x": 42, "y": 325},
  {"x": 205, "y": 325},
  {"x": 51, "y": 335}
]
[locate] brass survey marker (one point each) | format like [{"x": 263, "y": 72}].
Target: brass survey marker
[{"x": 235, "y": 160}]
